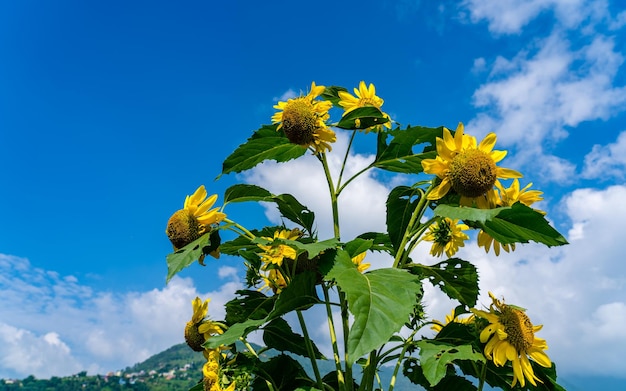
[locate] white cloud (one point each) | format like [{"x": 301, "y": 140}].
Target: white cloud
[
  {"x": 52, "y": 325},
  {"x": 289, "y": 94},
  {"x": 607, "y": 162},
  {"x": 511, "y": 16}
]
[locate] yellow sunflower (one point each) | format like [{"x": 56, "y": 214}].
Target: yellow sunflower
[
  {"x": 275, "y": 253},
  {"x": 273, "y": 280},
  {"x": 304, "y": 120},
  {"x": 510, "y": 336},
  {"x": 447, "y": 235},
  {"x": 363, "y": 96},
  {"x": 358, "y": 261},
  {"x": 193, "y": 336},
  {"x": 195, "y": 219},
  {"x": 506, "y": 197},
  {"x": 211, "y": 373},
  {"x": 465, "y": 167},
  {"x": 437, "y": 325}
]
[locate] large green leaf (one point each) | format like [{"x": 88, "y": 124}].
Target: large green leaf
[
  {"x": 331, "y": 93},
  {"x": 398, "y": 155},
  {"x": 381, "y": 302},
  {"x": 414, "y": 372},
  {"x": 380, "y": 241},
  {"x": 187, "y": 255},
  {"x": 283, "y": 372},
  {"x": 435, "y": 358},
  {"x": 250, "y": 304},
  {"x": 362, "y": 118},
  {"x": 358, "y": 246},
  {"x": 278, "y": 335},
  {"x": 521, "y": 224},
  {"x": 401, "y": 203},
  {"x": 293, "y": 210},
  {"x": 244, "y": 192},
  {"x": 233, "y": 333},
  {"x": 265, "y": 144},
  {"x": 466, "y": 213},
  {"x": 455, "y": 277}
]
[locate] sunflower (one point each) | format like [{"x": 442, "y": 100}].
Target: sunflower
[
  {"x": 193, "y": 336},
  {"x": 505, "y": 197},
  {"x": 365, "y": 96},
  {"x": 304, "y": 120},
  {"x": 465, "y": 167},
  {"x": 358, "y": 261},
  {"x": 275, "y": 253},
  {"x": 447, "y": 235},
  {"x": 438, "y": 325},
  {"x": 510, "y": 336},
  {"x": 195, "y": 219},
  {"x": 273, "y": 280},
  {"x": 211, "y": 373}
]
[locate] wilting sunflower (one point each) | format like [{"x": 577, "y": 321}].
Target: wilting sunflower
[
  {"x": 447, "y": 235},
  {"x": 438, "y": 325},
  {"x": 358, "y": 261},
  {"x": 304, "y": 120},
  {"x": 506, "y": 197},
  {"x": 363, "y": 96},
  {"x": 193, "y": 336},
  {"x": 465, "y": 167},
  {"x": 195, "y": 219},
  {"x": 275, "y": 253},
  {"x": 510, "y": 336}
]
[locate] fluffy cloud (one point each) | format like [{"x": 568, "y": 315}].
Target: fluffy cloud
[
  {"x": 53, "y": 325},
  {"x": 607, "y": 162}
]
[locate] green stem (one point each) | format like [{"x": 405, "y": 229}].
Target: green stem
[
  {"x": 392, "y": 383},
  {"x": 333, "y": 195},
  {"x": 401, "y": 255},
  {"x": 353, "y": 177},
  {"x": 248, "y": 346},
  {"x": 309, "y": 349},
  {"x": 346, "y": 335},
  {"x": 333, "y": 339},
  {"x": 241, "y": 228},
  {"x": 483, "y": 375},
  {"x": 345, "y": 159}
]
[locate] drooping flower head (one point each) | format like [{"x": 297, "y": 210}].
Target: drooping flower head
[
  {"x": 505, "y": 197},
  {"x": 358, "y": 261},
  {"x": 304, "y": 120},
  {"x": 447, "y": 236},
  {"x": 195, "y": 219},
  {"x": 275, "y": 253},
  {"x": 363, "y": 96},
  {"x": 193, "y": 336},
  {"x": 438, "y": 325},
  {"x": 467, "y": 168},
  {"x": 510, "y": 336}
]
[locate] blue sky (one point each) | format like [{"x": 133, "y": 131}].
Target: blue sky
[{"x": 111, "y": 113}]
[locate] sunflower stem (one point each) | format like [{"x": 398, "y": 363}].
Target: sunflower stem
[
  {"x": 333, "y": 339},
  {"x": 333, "y": 195},
  {"x": 405, "y": 346},
  {"x": 483, "y": 375},
  {"x": 310, "y": 351},
  {"x": 345, "y": 159},
  {"x": 241, "y": 228},
  {"x": 401, "y": 255}
]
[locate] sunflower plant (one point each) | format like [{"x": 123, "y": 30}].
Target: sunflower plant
[{"x": 376, "y": 319}]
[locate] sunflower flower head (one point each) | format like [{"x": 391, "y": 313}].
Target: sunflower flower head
[
  {"x": 276, "y": 253},
  {"x": 465, "y": 167},
  {"x": 211, "y": 375},
  {"x": 513, "y": 194},
  {"x": 303, "y": 120},
  {"x": 194, "y": 220},
  {"x": 273, "y": 280},
  {"x": 358, "y": 261},
  {"x": 510, "y": 336},
  {"x": 447, "y": 236},
  {"x": 363, "y": 96},
  {"x": 193, "y": 336}
]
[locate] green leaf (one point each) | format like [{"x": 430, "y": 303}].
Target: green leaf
[
  {"x": 187, "y": 255},
  {"x": 358, "y": 246},
  {"x": 380, "y": 241},
  {"x": 283, "y": 372},
  {"x": 362, "y": 118},
  {"x": 243, "y": 192},
  {"x": 466, "y": 213},
  {"x": 293, "y": 210},
  {"x": 299, "y": 294},
  {"x": 250, "y": 304},
  {"x": 381, "y": 302},
  {"x": 455, "y": 277},
  {"x": 331, "y": 94},
  {"x": 435, "y": 358},
  {"x": 401, "y": 203},
  {"x": 398, "y": 155},
  {"x": 278, "y": 335},
  {"x": 521, "y": 224},
  {"x": 265, "y": 144},
  {"x": 233, "y": 333}
]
